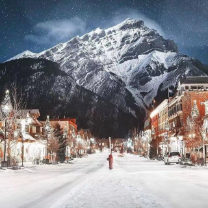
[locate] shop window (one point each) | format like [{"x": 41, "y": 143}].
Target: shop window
[
  {"x": 33, "y": 129},
  {"x": 194, "y": 87},
  {"x": 201, "y": 87},
  {"x": 27, "y": 128},
  {"x": 38, "y": 129}
]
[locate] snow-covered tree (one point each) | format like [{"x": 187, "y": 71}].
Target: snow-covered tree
[
  {"x": 11, "y": 113},
  {"x": 61, "y": 135}
]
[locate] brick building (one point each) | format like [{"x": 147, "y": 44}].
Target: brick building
[
  {"x": 158, "y": 119},
  {"x": 180, "y": 128}
]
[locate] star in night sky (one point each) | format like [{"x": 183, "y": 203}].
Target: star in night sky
[{"x": 37, "y": 25}]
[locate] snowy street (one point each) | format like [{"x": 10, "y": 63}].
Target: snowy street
[{"x": 88, "y": 183}]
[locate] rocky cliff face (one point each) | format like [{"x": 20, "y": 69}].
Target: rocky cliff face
[{"x": 126, "y": 65}]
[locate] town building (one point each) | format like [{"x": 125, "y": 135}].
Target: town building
[
  {"x": 154, "y": 118},
  {"x": 23, "y": 137},
  {"x": 180, "y": 122},
  {"x": 29, "y": 138},
  {"x": 118, "y": 144}
]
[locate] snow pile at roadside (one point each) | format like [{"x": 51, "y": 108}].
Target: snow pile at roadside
[{"x": 107, "y": 188}]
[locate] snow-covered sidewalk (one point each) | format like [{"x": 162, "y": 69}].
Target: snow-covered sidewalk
[{"x": 107, "y": 188}]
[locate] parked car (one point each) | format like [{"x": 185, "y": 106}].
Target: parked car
[
  {"x": 172, "y": 157},
  {"x": 187, "y": 161}
]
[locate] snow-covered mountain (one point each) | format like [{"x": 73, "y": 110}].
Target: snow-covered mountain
[
  {"x": 126, "y": 64},
  {"x": 41, "y": 84}
]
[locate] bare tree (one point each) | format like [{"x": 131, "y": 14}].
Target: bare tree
[{"x": 12, "y": 118}]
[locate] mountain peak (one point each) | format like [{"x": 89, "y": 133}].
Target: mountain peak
[
  {"x": 129, "y": 24},
  {"x": 130, "y": 20},
  {"x": 126, "y": 65},
  {"x": 121, "y": 42},
  {"x": 24, "y": 54}
]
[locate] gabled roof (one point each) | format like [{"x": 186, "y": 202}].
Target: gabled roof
[
  {"x": 196, "y": 80},
  {"x": 33, "y": 113},
  {"x": 72, "y": 120}
]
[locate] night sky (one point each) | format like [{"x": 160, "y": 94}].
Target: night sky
[{"x": 36, "y": 25}]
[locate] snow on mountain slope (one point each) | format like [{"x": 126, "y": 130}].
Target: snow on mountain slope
[
  {"x": 127, "y": 60},
  {"x": 24, "y": 54},
  {"x": 45, "y": 86}
]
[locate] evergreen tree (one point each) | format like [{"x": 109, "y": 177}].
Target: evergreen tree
[
  {"x": 6, "y": 105},
  {"x": 62, "y": 140}
]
